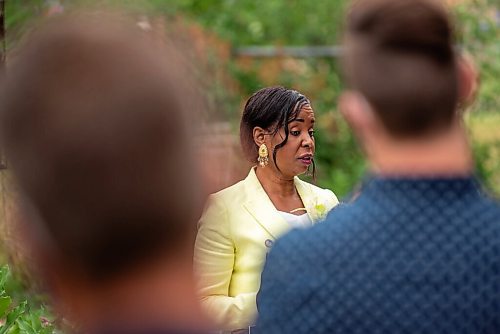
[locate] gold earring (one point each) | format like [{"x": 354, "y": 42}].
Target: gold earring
[{"x": 263, "y": 158}]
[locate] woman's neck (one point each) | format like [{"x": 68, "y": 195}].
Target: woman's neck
[
  {"x": 280, "y": 190},
  {"x": 274, "y": 183}
]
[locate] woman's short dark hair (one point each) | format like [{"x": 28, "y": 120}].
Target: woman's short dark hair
[{"x": 270, "y": 108}]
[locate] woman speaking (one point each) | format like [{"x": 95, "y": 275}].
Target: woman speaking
[{"x": 241, "y": 222}]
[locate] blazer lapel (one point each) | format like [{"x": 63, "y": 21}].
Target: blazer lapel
[
  {"x": 308, "y": 198},
  {"x": 262, "y": 209}
]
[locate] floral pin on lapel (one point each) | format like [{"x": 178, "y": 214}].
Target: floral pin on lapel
[{"x": 319, "y": 212}]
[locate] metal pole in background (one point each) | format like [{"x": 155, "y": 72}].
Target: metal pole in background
[{"x": 271, "y": 51}]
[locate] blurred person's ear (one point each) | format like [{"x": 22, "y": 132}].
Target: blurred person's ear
[
  {"x": 357, "y": 112},
  {"x": 468, "y": 81}
]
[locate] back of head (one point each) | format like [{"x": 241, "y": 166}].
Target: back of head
[
  {"x": 400, "y": 56},
  {"x": 94, "y": 126}
]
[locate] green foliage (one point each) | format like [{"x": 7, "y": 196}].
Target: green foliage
[
  {"x": 294, "y": 22},
  {"x": 480, "y": 36},
  {"x": 18, "y": 12},
  {"x": 487, "y": 157},
  {"x": 20, "y": 312},
  {"x": 244, "y": 22}
]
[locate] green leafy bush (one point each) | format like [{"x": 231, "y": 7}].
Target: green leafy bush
[{"x": 19, "y": 311}]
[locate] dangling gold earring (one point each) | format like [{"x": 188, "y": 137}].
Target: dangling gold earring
[{"x": 263, "y": 158}]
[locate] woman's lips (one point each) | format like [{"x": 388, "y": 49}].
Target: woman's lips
[{"x": 306, "y": 160}]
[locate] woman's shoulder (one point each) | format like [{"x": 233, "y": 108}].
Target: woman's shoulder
[
  {"x": 219, "y": 203},
  {"x": 236, "y": 193},
  {"x": 239, "y": 190},
  {"x": 224, "y": 201},
  {"x": 230, "y": 191}
]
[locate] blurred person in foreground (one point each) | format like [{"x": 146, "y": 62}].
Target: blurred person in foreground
[
  {"x": 241, "y": 222},
  {"x": 93, "y": 118},
  {"x": 419, "y": 249}
]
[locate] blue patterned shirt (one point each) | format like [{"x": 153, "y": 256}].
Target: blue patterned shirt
[{"x": 409, "y": 256}]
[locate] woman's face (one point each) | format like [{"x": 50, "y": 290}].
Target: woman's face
[{"x": 296, "y": 155}]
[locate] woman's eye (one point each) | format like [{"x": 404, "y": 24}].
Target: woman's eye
[
  {"x": 311, "y": 133},
  {"x": 295, "y": 133}
]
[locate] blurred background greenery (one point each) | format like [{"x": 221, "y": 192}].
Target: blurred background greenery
[
  {"x": 219, "y": 28},
  {"x": 223, "y": 26}
]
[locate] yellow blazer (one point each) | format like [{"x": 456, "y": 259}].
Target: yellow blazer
[{"x": 235, "y": 233}]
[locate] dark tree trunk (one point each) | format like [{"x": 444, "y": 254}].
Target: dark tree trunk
[
  {"x": 3, "y": 56},
  {"x": 2, "y": 35}
]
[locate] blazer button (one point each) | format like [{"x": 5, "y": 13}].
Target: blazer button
[{"x": 268, "y": 243}]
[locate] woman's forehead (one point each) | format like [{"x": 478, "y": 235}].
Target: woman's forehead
[{"x": 305, "y": 112}]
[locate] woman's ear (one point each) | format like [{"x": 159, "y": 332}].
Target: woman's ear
[{"x": 259, "y": 135}]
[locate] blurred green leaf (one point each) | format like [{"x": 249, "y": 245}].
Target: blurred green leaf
[
  {"x": 16, "y": 312},
  {"x": 5, "y": 302}
]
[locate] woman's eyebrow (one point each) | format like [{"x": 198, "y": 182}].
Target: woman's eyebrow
[{"x": 302, "y": 120}]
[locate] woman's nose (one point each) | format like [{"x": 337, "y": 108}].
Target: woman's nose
[{"x": 307, "y": 141}]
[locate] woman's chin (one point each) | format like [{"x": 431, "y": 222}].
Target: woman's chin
[{"x": 301, "y": 171}]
